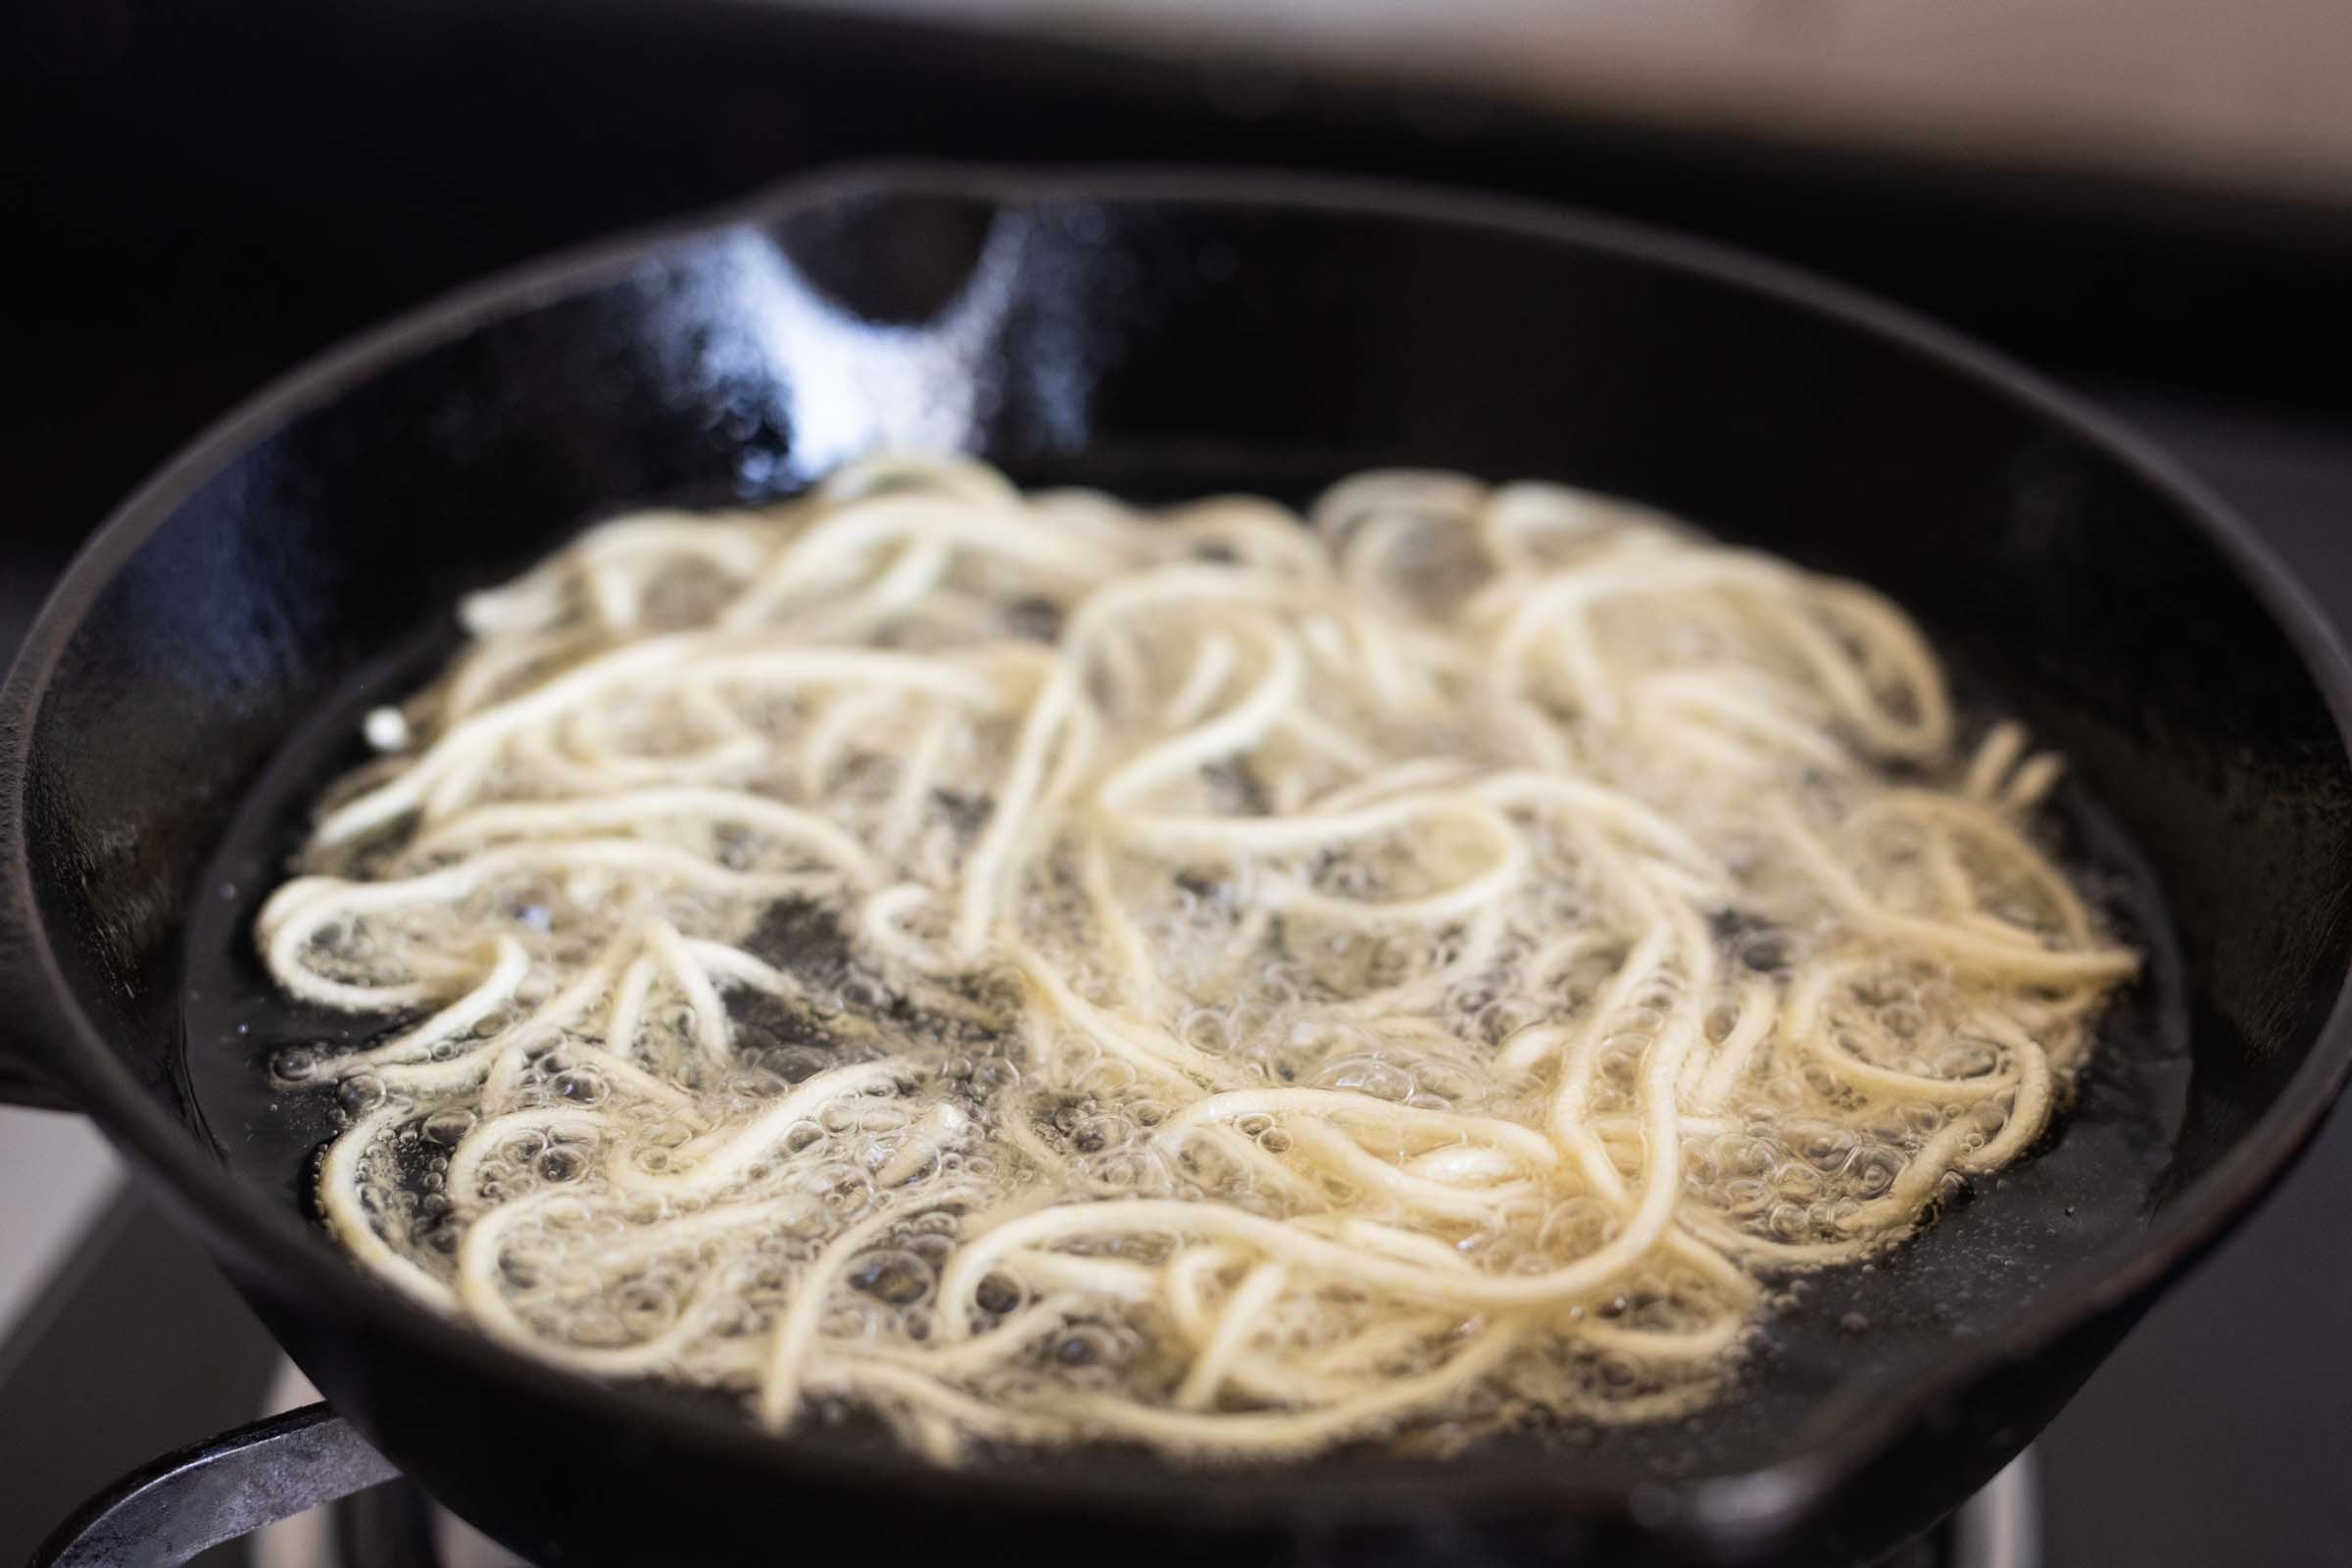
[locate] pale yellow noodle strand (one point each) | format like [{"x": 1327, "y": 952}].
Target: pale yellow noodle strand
[{"x": 1318, "y": 949}]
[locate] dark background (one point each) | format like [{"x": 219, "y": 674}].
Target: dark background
[{"x": 199, "y": 196}]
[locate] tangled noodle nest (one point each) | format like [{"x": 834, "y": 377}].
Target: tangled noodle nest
[{"x": 1036, "y": 970}]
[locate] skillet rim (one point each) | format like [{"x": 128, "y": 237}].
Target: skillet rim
[{"x": 1846, "y": 1433}]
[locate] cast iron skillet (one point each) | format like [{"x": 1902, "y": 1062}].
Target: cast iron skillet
[{"x": 1184, "y": 332}]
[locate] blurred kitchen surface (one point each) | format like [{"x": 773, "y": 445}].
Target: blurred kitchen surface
[
  {"x": 64, "y": 1161},
  {"x": 2251, "y": 90},
  {"x": 2151, "y": 199}
]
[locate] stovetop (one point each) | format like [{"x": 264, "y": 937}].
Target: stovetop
[{"x": 209, "y": 204}]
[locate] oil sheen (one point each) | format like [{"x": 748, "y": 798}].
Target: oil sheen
[{"x": 1032, "y": 969}]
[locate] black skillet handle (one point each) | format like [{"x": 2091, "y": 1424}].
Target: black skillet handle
[
  {"x": 24, "y": 1079},
  {"x": 21, "y": 1084},
  {"x": 24, "y": 1026},
  {"x": 229, "y": 1486},
  {"x": 26, "y": 1015}
]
